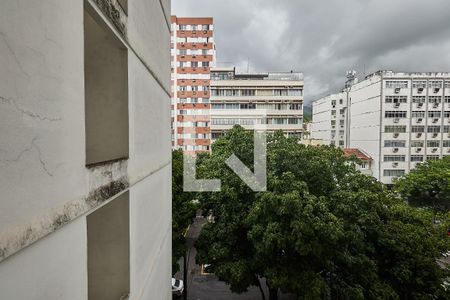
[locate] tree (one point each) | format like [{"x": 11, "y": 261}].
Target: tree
[
  {"x": 321, "y": 231},
  {"x": 428, "y": 185},
  {"x": 183, "y": 210}
]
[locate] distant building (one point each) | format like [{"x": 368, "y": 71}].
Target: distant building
[
  {"x": 365, "y": 161},
  {"x": 85, "y": 162},
  {"x": 274, "y": 99},
  {"x": 399, "y": 119},
  {"x": 193, "y": 54}
]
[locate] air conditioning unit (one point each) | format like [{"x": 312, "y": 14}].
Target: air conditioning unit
[
  {"x": 419, "y": 90},
  {"x": 395, "y": 150},
  {"x": 397, "y": 90},
  {"x": 194, "y": 56},
  {"x": 434, "y": 150},
  {"x": 396, "y": 135},
  {"x": 205, "y": 31},
  {"x": 419, "y": 120},
  {"x": 436, "y": 90},
  {"x": 418, "y": 149},
  {"x": 397, "y": 105},
  {"x": 435, "y": 105},
  {"x": 435, "y": 135},
  {"x": 419, "y": 105},
  {"x": 419, "y": 134},
  {"x": 396, "y": 120},
  {"x": 395, "y": 164},
  {"x": 435, "y": 120}
]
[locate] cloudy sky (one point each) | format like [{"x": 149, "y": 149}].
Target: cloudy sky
[{"x": 325, "y": 38}]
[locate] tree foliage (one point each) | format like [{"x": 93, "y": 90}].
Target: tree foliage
[
  {"x": 321, "y": 231},
  {"x": 428, "y": 185},
  {"x": 183, "y": 210}
]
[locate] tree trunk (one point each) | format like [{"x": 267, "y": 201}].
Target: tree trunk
[
  {"x": 263, "y": 297},
  {"x": 273, "y": 294}
]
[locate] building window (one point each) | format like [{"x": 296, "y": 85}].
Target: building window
[
  {"x": 433, "y": 144},
  {"x": 418, "y": 114},
  {"x": 395, "y": 114},
  {"x": 396, "y": 144},
  {"x": 341, "y": 101},
  {"x": 435, "y": 84},
  {"x": 415, "y": 158},
  {"x": 205, "y": 64},
  {"x": 433, "y": 157},
  {"x": 183, "y": 27},
  {"x": 418, "y": 99},
  {"x": 205, "y": 27},
  {"x": 419, "y": 84},
  {"x": 108, "y": 250},
  {"x": 395, "y": 129},
  {"x": 106, "y": 93},
  {"x": 394, "y": 84},
  {"x": 417, "y": 144},
  {"x": 394, "y": 158},
  {"x": 434, "y": 99},
  {"x": 194, "y": 64},
  {"x": 417, "y": 128},
  {"x": 434, "y": 114},
  {"x": 393, "y": 173},
  {"x": 446, "y": 143},
  {"x": 446, "y": 114},
  {"x": 248, "y": 93},
  {"x": 396, "y": 99},
  {"x": 434, "y": 129}
]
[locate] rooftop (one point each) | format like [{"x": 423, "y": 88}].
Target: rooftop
[{"x": 349, "y": 152}]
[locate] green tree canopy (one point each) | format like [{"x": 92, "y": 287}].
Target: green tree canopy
[
  {"x": 428, "y": 185},
  {"x": 321, "y": 231},
  {"x": 183, "y": 209}
]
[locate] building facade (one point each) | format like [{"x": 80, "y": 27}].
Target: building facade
[
  {"x": 193, "y": 54},
  {"x": 274, "y": 99},
  {"x": 85, "y": 162},
  {"x": 399, "y": 119}
]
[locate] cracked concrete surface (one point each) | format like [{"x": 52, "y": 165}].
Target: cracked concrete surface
[{"x": 13, "y": 103}]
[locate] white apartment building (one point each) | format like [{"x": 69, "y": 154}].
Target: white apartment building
[
  {"x": 399, "y": 119},
  {"x": 274, "y": 99},
  {"x": 85, "y": 162}
]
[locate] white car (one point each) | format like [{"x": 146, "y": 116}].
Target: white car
[{"x": 177, "y": 287}]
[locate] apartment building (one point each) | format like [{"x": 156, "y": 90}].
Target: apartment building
[
  {"x": 193, "y": 54},
  {"x": 399, "y": 119},
  {"x": 274, "y": 99},
  {"x": 85, "y": 163}
]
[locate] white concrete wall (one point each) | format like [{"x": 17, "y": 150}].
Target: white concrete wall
[{"x": 46, "y": 189}]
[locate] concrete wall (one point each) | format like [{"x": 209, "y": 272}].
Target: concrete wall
[{"x": 47, "y": 191}]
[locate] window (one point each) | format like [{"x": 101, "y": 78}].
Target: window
[
  {"x": 341, "y": 143},
  {"x": 417, "y": 144},
  {"x": 248, "y": 92},
  {"x": 418, "y": 99},
  {"x": 106, "y": 93},
  {"x": 205, "y": 27},
  {"x": 194, "y": 64},
  {"x": 432, "y": 157},
  {"x": 333, "y": 102},
  {"x": 446, "y": 129},
  {"x": 394, "y": 158},
  {"x": 434, "y": 99},
  {"x": 446, "y": 114},
  {"x": 108, "y": 250},
  {"x": 395, "y": 114},
  {"x": 393, "y": 173},
  {"x": 433, "y": 144},
  {"x": 435, "y": 84},
  {"x": 394, "y": 84},
  {"x": 183, "y": 27},
  {"x": 447, "y": 99},
  {"x": 205, "y": 64},
  {"x": 434, "y": 114},
  {"x": 418, "y": 114},
  {"x": 395, "y": 129},
  {"x": 183, "y": 52},
  {"x": 447, "y": 84},
  {"x": 248, "y": 106},
  {"x": 396, "y": 144},
  {"x": 194, "y": 27},
  {"x": 341, "y": 101},
  {"x": 416, "y": 158},
  {"x": 434, "y": 129},
  {"x": 419, "y": 84},
  {"x": 417, "y": 128},
  {"x": 333, "y": 112},
  {"x": 446, "y": 143},
  {"x": 396, "y": 99},
  {"x": 280, "y": 92}
]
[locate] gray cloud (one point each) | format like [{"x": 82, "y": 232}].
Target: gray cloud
[{"x": 324, "y": 39}]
